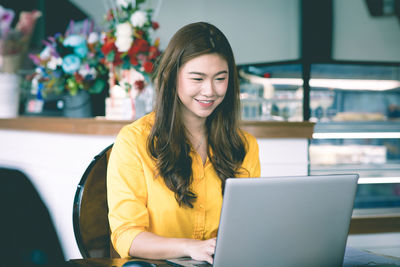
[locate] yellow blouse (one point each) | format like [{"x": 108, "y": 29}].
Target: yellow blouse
[{"x": 138, "y": 201}]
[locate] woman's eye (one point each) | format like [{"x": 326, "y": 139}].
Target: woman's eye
[
  {"x": 221, "y": 79},
  {"x": 197, "y": 79}
]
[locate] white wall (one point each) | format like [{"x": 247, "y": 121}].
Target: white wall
[
  {"x": 359, "y": 36},
  {"x": 258, "y": 30}
]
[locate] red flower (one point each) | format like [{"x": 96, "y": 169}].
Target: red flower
[
  {"x": 139, "y": 45},
  {"x": 108, "y": 46},
  {"x": 142, "y": 45},
  {"x": 153, "y": 52},
  {"x": 148, "y": 66},
  {"x": 155, "y": 25},
  {"x": 133, "y": 60},
  {"x": 117, "y": 59},
  {"x": 133, "y": 50},
  {"x": 139, "y": 85}
]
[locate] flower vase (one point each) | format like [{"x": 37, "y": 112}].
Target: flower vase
[
  {"x": 10, "y": 63},
  {"x": 9, "y": 95},
  {"x": 120, "y": 108},
  {"x": 78, "y": 105}
]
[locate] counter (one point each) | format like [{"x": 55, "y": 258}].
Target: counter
[{"x": 101, "y": 126}]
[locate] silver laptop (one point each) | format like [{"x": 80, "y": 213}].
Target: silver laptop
[{"x": 283, "y": 221}]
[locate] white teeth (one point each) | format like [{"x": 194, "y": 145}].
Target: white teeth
[{"x": 205, "y": 101}]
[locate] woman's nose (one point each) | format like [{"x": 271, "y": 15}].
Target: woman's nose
[{"x": 208, "y": 88}]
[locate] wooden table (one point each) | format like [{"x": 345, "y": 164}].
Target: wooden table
[
  {"x": 352, "y": 258},
  {"x": 106, "y": 262}
]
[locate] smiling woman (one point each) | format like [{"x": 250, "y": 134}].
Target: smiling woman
[{"x": 167, "y": 170}]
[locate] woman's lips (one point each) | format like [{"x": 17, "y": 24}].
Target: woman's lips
[{"x": 205, "y": 103}]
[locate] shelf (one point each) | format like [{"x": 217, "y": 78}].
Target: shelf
[
  {"x": 369, "y": 173},
  {"x": 393, "y": 165},
  {"x": 357, "y": 126}
]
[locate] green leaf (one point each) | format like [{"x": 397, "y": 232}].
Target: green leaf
[
  {"x": 110, "y": 57},
  {"x": 97, "y": 87}
]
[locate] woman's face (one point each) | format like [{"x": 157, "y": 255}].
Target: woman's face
[{"x": 201, "y": 86}]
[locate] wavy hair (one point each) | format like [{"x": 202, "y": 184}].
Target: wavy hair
[{"x": 225, "y": 139}]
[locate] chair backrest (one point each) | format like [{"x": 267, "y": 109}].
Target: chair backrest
[
  {"x": 90, "y": 211},
  {"x": 28, "y": 235}
]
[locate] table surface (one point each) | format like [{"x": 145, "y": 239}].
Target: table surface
[
  {"x": 108, "y": 262},
  {"x": 353, "y": 257}
]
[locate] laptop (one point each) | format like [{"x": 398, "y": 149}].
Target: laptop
[{"x": 283, "y": 221}]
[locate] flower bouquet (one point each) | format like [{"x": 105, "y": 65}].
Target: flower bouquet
[
  {"x": 70, "y": 66},
  {"x": 70, "y": 62},
  {"x": 129, "y": 54}
]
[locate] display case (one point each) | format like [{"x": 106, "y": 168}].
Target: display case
[
  {"x": 369, "y": 148},
  {"x": 272, "y": 91},
  {"x": 356, "y": 108}
]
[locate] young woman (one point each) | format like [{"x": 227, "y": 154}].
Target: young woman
[{"x": 167, "y": 170}]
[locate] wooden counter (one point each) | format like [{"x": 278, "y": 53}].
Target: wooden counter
[{"x": 101, "y": 126}]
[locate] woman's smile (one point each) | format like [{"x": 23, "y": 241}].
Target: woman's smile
[{"x": 205, "y": 103}]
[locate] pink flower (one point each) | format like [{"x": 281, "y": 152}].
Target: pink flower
[{"x": 6, "y": 18}]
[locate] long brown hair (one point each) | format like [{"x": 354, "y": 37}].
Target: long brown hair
[{"x": 165, "y": 143}]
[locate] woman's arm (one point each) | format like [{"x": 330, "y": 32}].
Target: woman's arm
[{"x": 151, "y": 246}]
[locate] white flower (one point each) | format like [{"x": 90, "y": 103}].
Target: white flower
[
  {"x": 93, "y": 38},
  {"x": 46, "y": 53},
  {"x": 124, "y": 30},
  {"x": 85, "y": 71},
  {"x": 138, "y": 19},
  {"x": 124, "y": 33},
  {"x": 136, "y": 75},
  {"x": 125, "y": 3},
  {"x": 118, "y": 92},
  {"x": 54, "y": 62},
  {"x": 123, "y": 44}
]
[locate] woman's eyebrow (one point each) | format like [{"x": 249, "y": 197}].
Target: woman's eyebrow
[{"x": 203, "y": 74}]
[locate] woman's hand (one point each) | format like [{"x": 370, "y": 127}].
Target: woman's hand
[
  {"x": 201, "y": 250},
  {"x": 151, "y": 246}
]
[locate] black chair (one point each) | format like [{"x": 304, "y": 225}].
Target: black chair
[
  {"x": 28, "y": 234},
  {"x": 90, "y": 211}
]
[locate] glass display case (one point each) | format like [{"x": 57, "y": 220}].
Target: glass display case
[
  {"x": 272, "y": 91},
  {"x": 356, "y": 108}
]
